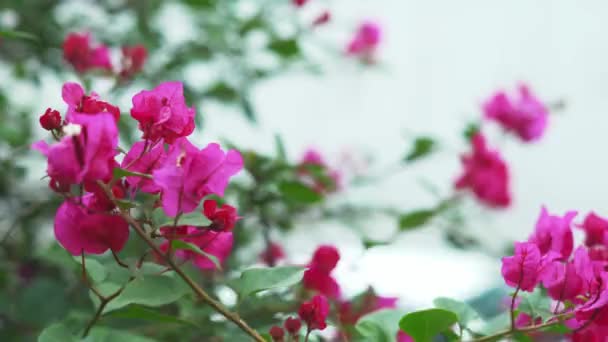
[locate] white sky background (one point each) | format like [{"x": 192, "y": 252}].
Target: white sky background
[{"x": 439, "y": 60}]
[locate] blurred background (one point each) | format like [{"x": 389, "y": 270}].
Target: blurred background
[{"x": 438, "y": 61}]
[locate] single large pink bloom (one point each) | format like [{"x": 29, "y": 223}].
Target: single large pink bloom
[
  {"x": 218, "y": 244},
  {"x": 162, "y": 112},
  {"x": 486, "y": 174},
  {"x": 366, "y": 40},
  {"x": 85, "y": 228},
  {"x": 83, "y": 55},
  {"x": 80, "y": 103},
  {"x": 138, "y": 161},
  {"x": 596, "y": 230},
  {"x": 318, "y": 276},
  {"x": 554, "y": 233},
  {"x": 524, "y": 269},
  {"x": 87, "y": 155},
  {"x": 188, "y": 174},
  {"x": 526, "y": 115}
]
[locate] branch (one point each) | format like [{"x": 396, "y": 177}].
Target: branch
[
  {"x": 217, "y": 306},
  {"x": 558, "y": 320}
]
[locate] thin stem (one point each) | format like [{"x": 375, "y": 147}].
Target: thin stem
[
  {"x": 99, "y": 312},
  {"x": 558, "y": 320},
  {"x": 118, "y": 261},
  {"x": 307, "y": 335},
  {"x": 513, "y": 307},
  {"x": 217, "y": 306}
]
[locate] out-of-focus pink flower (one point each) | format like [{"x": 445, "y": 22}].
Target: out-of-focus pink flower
[
  {"x": 218, "y": 244},
  {"x": 299, "y": 3},
  {"x": 79, "y": 103},
  {"x": 138, "y": 160},
  {"x": 50, "y": 120},
  {"x": 524, "y": 269},
  {"x": 403, "y": 337},
  {"x": 314, "y": 313},
  {"x": 318, "y": 276},
  {"x": 526, "y": 115},
  {"x": 272, "y": 254},
  {"x": 596, "y": 230},
  {"x": 322, "y": 18},
  {"x": 83, "y": 55},
  {"x": 292, "y": 325},
  {"x": 86, "y": 153},
  {"x": 162, "y": 112},
  {"x": 324, "y": 180},
  {"x": 82, "y": 227},
  {"x": 223, "y": 218},
  {"x": 133, "y": 60},
  {"x": 486, "y": 174},
  {"x": 554, "y": 233},
  {"x": 277, "y": 333},
  {"x": 365, "y": 41},
  {"x": 349, "y": 312},
  {"x": 188, "y": 174}
]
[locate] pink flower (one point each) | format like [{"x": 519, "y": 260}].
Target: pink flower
[
  {"x": 553, "y": 233},
  {"x": 79, "y": 103},
  {"x": 486, "y": 174},
  {"x": 84, "y": 155},
  {"x": 562, "y": 281},
  {"x": 526, "y": 116},
  {"x": 366, "y": 41},
  {"x": 314, "y": 313},
  {"x": 523, "y": 270},
  {"x": 162, "y": 112},
  {"x": 79, "y": 52},
  {"x": 350, "y": 312},
  {"x": 133, "y": 60},
  {"x": 314, "y": 172},
  {"x": 299, "y": 3},
  {"x": 322, "y": 19},
  {"x": 312, "y": 157},
  {"x": 218, "y": 244},
  {"x": 50, "y": 120},
  {"x": 277, "y": 333},
  {"x": 82, "y": 228},
  {"x": 223, "y": 218},
  {"x": 596, "y": 230},
  {"x": 187, "y": 175},
  {"x": 403, "y": 337},
  {"x": 272, "y": 254},
  {"x": 141, "y": 161},
  {"x": 292, "y": 325},
  {"x": 318, "y": 276}
]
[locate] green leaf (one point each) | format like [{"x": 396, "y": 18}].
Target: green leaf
[
  {"x": 380, "y": 325},
  {"x": 299, "y": 192},
  {"x": 463, "y": 310},
  {"x": 149, "y": 290},
  {"x": 196, "y": 219},
  {"x": 9, "y": 34},
  {"x": 286, "y": 48},
  {"x": 280, "y": 147},
  {"x": 95, "y": 269},
  {"x": 535, "y": 304},
  {"x": 102, "y": 334},
  {"x": 222, "y": 91},
  {"x": 139, "y": 312},
  {"x": 120, "y": 172},
  {"x": 471, "y": 130},
  {"x": 415, "y": 219},
  {"x": 424, "y": 325},
  {"x": 521, "y": 337},
  {"x": 248, "y": 108},
  {"x": 180, "y": 244},
  {"x": 255, "y": 280},
  {"x": 57, "y": 332},
  {"x": 42, "y": 302},
  {"x": 125, "y": 204},
  {"x": 423, "y": 146}
]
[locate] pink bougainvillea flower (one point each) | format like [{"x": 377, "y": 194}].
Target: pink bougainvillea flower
[
  {"x": 562, "y": 281},
  {"x": 277, "y": 333},
  {"x": 314, "y": 313},
  {"x": 486, "y": 174},
  {"x": 133, "y": 60},
  {"x": 50, "y": 120},
  {"x": 596, "y": 230},
  {"x": 403, "y": 337},
  {"x": 526, "y": 116},
  {"x": 79, "y": 51},
  {"x": 318, "y": 276},
  {"x": 218, "y": 244},
  {"x": 144, "y": 162},
  {"x": 80, "y": 103},
  {"x": 525, "y": 269},
  {"x": 86, "y": 153},
  {"x": 365, "y": 41},
  {"x": 223, "y": 218},
  {"x": 349, "y": 312},
  {"x": 162, "y": 112},
  {"x": 299, "y": 3},
  {"x": 322, "y": 19},
  {"x": 554, "y": 233},
  {"x": 273, "y": 254},
  {"x": 188, "y": 174},
  {"x": 325, "y": 181},
  {"x": 84, "y": 228},
  {"x": 292, "y": 325}
]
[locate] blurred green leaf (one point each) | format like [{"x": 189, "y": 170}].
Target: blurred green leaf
[
  {"x": 8, "y": 34},
  {"x": 286, "y": 48},
  {"x": 57, "y": 332},
  {"x": 255, "y": 280},
  {"x": 103, "y": 334},
  {"x": 180, "y": 244},
  {"x": 120, "y": 172},
  {"x": 415, "y": 219},
  {"x": 222, "y": 91},
  {"x": 424, "y": 325},
  {"x": 379, "y": 326},
  {"x": 535, "y": 304},
  {"x": 42, "y": 302},
  {"x": 299, "y": 192},
  {"x": 134, "y": 311},
  {"x": 463, "y": 310},
  {"x": 280, "y": 147},
  {"x": 423, "y": 146},
  {"x": 94, "y": 268},
  {"x": 195, "y": 218},
  {"x": 471, "y": 130}
]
